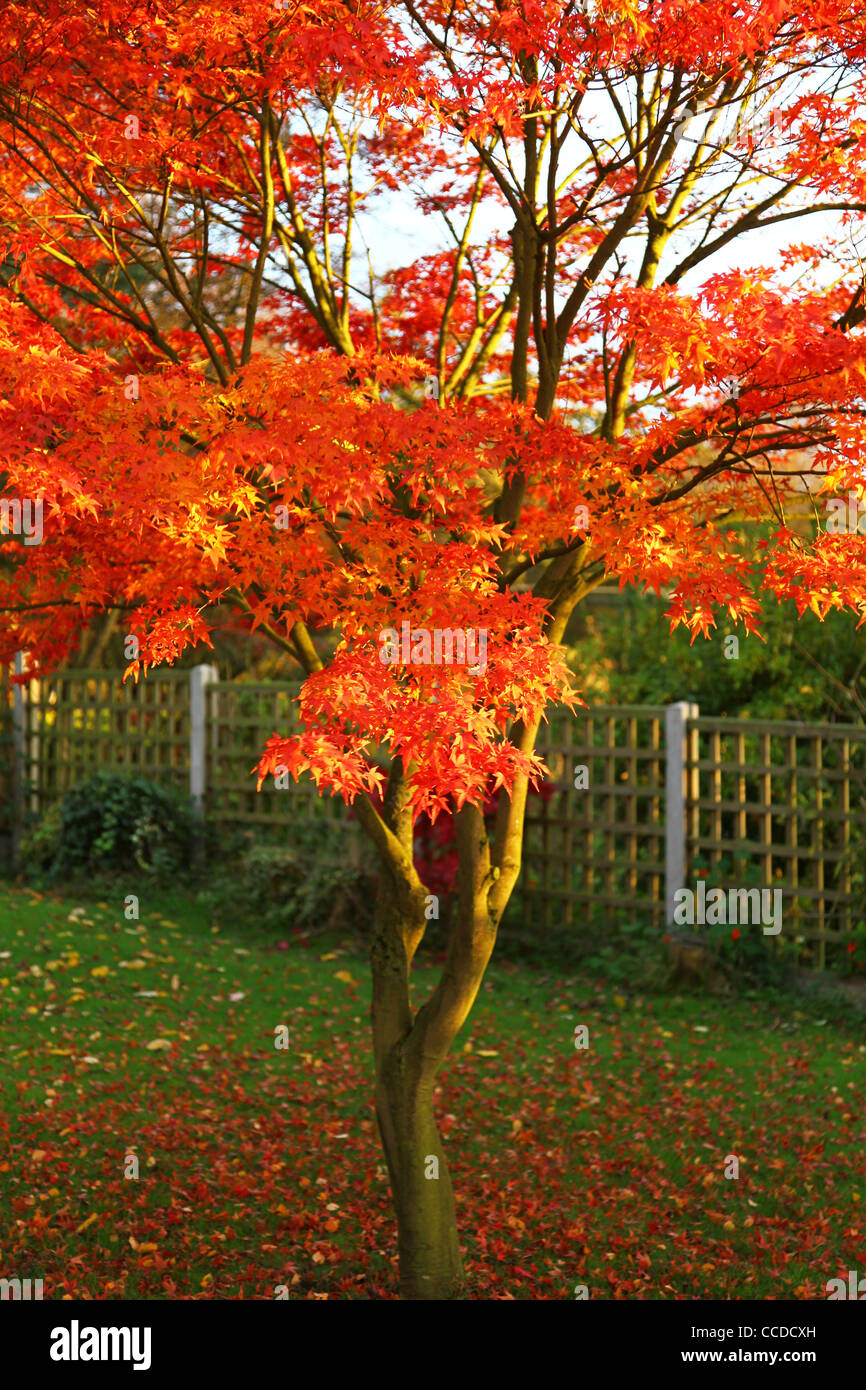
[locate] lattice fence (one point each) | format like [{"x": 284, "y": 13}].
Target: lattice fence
[
  {"x": 72, "y": 725},
  {"x": 599, "y": 848},
  {"x": 241, "y": 717},
  {"x": 784, "y": 803},
  {"x": 9, "y": 811},
  {"x": 768, "y": 804},
  {"x": 81, "y": 721}
]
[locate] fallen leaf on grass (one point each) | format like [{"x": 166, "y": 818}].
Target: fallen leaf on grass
[{"x": 145, "y": 1248}]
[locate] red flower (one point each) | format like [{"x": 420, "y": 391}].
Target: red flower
[
  {"x": 735, "y": 934},
  {"x": 852, "y": 946}
]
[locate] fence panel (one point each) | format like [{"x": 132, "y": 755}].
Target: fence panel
[
  {"x": 242, "y": 716},
  {"x": 783, "y": 805},
  {"x": 80, "y": 721},
  {"x": 8, "y": 787},
  {"x": 766, "y": 803},
  {"x": 594, "y": 846}
]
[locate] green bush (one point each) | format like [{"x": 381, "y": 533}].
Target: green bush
[
  {"x": 108, "y": 823},
  {"x": 38, "y": 846},
  {"x": 307, "y": 884},
  {"x": 806, "y": 668}
]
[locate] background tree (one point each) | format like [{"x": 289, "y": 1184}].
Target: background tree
[{"x": 188, "y": 195}]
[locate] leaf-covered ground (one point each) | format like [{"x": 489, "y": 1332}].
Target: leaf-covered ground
[{"x": 260, "y": 1167}]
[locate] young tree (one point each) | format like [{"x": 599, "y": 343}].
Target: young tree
[{"x": 223, "y": 400}]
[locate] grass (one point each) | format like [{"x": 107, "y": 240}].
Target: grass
[{"x": 259, "y": 1167}]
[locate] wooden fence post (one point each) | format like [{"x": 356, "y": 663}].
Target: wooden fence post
[
  {"x": 18, "y": 761},
  {"x": 676, "y": 843},
  {"x": 199, "y": 678}
]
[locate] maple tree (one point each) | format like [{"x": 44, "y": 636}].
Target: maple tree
[{"x": 218, "y": 394}]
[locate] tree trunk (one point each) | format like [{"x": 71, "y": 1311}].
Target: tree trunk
[
  {"x": 429, "y": 1250},
  {"x": 410, "y": 1048}
]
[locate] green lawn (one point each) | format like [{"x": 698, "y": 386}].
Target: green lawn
[{"x": 260, "y": 1167}]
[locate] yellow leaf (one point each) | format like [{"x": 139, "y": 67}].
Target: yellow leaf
[
  {"x": 344, "y": 976},
  {"x": 207, "y": 1280},
  {"x": 99, "y": 972},
  {"x": 158, "y": 1044},
  {"x": 89, "y": 1222},
  {"x": 486, "y": 1053},
  {"x": 38, "y": 1155}
]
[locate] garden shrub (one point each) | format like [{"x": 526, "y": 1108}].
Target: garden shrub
[
  {"x": 307, "y": 883},
  {"x": 109, "y": 822}
]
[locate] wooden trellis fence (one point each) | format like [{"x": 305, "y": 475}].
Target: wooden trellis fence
[
  {"x": 9, "y": 813},
  {"x": 241, "y": 716},
  {"x": 598, "y": 840},
  {"x": 179, "y": 727},
  {"x": 642, "y": 799},
  {"x": 785, "y": 802},
  {"x": 670, "y": 797}
]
